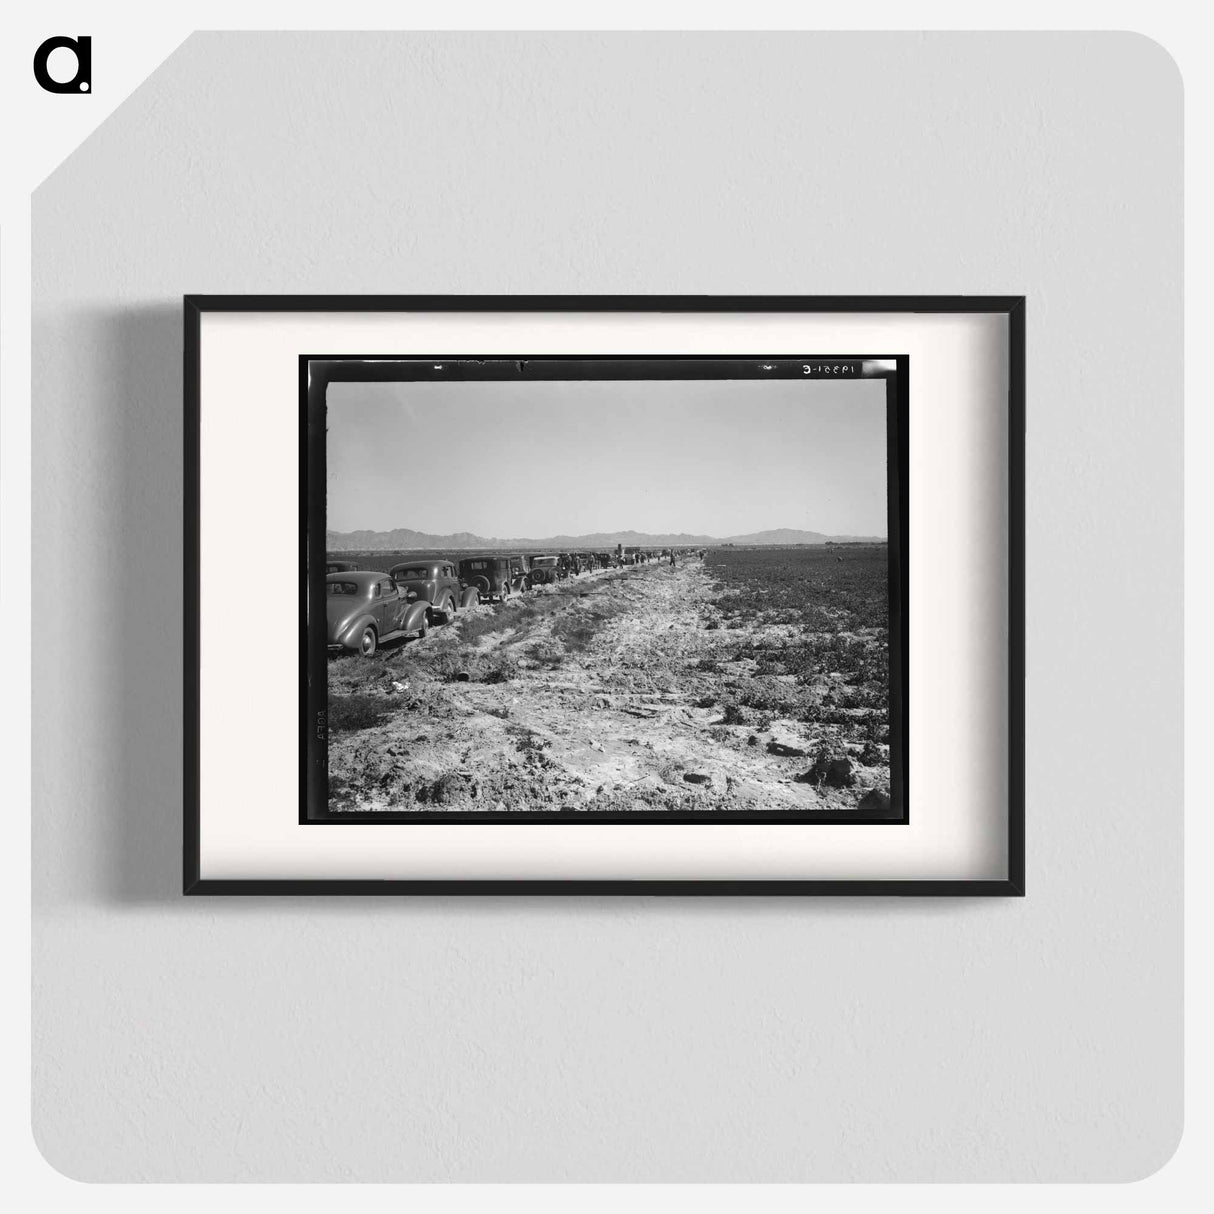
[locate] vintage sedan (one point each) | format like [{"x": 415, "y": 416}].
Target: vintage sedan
[
  {"x": 340, "y": 566},
  {"x": 545, "y": 570},
  {"x": 430, "y": 580},
  {"x": 365, "y": 607},
  {"x": 485, "y": 578}
]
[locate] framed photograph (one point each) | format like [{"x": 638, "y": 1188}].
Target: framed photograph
[{"x": 604, "y": 595}]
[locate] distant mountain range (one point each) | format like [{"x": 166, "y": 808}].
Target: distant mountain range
[{"x": 402, "y": 539}]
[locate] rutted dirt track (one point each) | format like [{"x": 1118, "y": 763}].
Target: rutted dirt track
[{"x": 601, "y": 693}]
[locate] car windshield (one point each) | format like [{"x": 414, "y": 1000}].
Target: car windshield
[
  {"x": 341, "y": 588},
  {"x": 414, "y": 571},
  {"x": 544, "y": 561}
]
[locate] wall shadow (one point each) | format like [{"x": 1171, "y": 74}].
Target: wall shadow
[{"x": 140, "y": 599}]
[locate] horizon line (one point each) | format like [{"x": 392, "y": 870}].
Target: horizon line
[{"x": 603, "y": 531}]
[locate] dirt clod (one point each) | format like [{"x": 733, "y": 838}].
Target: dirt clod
[
  {"x": 876, "y": 800},
  {"x": 835, "y": 771}
]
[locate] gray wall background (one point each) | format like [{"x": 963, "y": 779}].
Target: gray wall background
[{"x": 628, "y": 1039}]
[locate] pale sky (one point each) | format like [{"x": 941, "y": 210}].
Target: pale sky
[{"x": 511, "y": 459}]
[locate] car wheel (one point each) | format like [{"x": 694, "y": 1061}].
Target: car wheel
[
  {"x": 452, "y": 608},
  {"x": 422, "y": 626},
  {"x": 368, "y": 642}
]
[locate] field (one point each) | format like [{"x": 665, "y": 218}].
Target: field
[
  {"x": 814, "y": 622},
  {"x": 755, "y": 679}
]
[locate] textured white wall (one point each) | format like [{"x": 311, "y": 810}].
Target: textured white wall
[{"x": 625, "y": 1039}]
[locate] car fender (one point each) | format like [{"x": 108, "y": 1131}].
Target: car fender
[
  {"x": 351, "y": 634},
  {"x": 415, "y": 616},
  {"x": 469, "y": 597}
]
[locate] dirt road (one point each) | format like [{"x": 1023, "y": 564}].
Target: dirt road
[{"x": 606, "y": 692}]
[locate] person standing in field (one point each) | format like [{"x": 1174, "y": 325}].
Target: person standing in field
[{"x": 672, "y": 559}]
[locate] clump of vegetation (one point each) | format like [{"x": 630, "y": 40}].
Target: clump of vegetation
[
  {"x": 450, "y": 786},
  {"x": 829, "y": 714},
  {"x": 863, "y": 662},
  {"x": 734, "y": 714},
  {"x": 448, "y": 667},
  {"x": 575, "y": 636},
  {"x": 768, "y": 666},
  {"x": 872, "y": 755},
  {"x": 362, "y": 710},
  {"x": 492, "y": 667},
  {"x": 546, "y": 653},
  {"x": 527, "y": 740},
  {"x": 500, "y": 668},
  {"x": 671, "y": 772},
  {"x": 473, "y": 627},
  {"x": 771, "y": 698},
  {"x": 427, "y": 700},
  {"x": 576, "y": 629}
]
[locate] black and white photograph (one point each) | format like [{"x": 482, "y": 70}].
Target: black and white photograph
[{"x": 609, "y": 590}]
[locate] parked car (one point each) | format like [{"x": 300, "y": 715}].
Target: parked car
[
  {"x": 431, "y": 580},
  {"x": 546, "y": 570},
  {"x": 340, "y": 566},
  {"x": 485, "y": 578},
  {"x": 365, "y": 607}
]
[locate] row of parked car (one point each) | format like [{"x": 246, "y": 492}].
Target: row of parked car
[{"x": 366, "y": 607}]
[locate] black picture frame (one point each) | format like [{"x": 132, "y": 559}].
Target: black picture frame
[{"x": 1012, "y": 308}]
